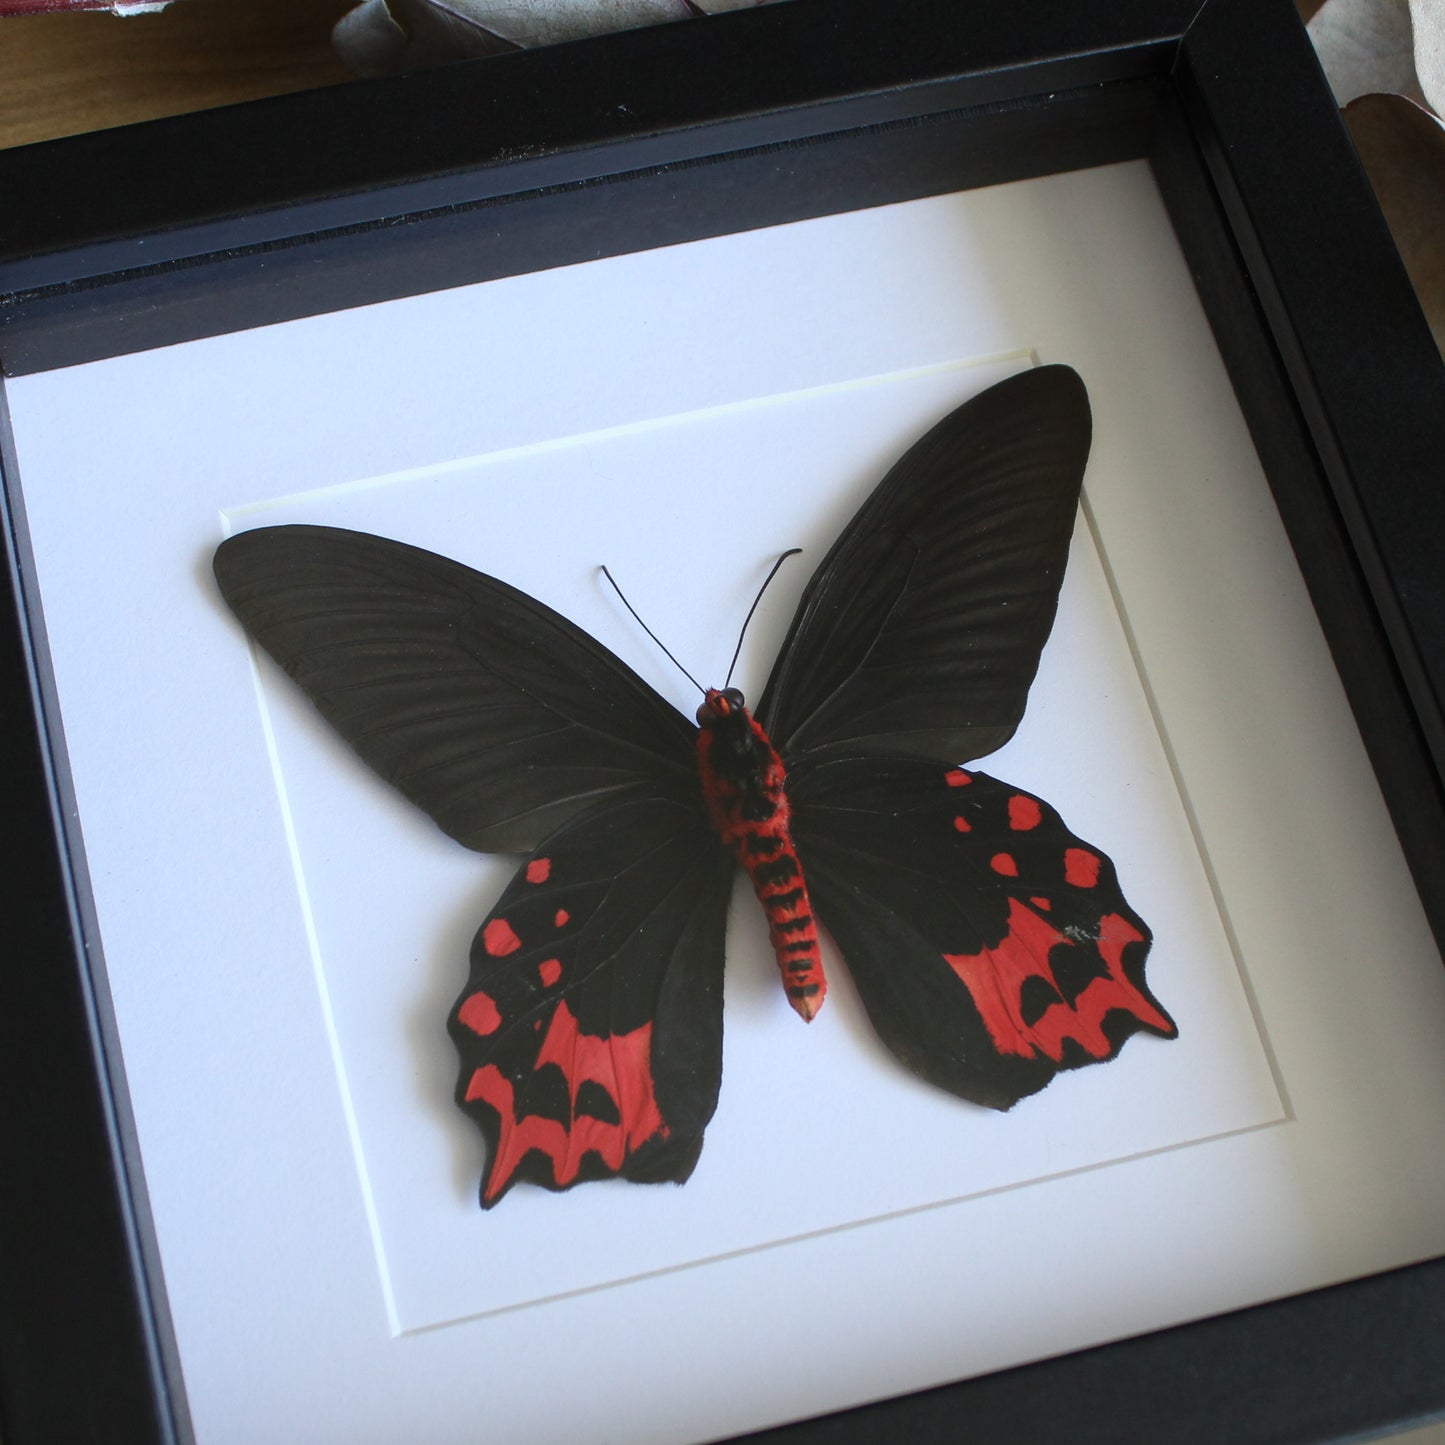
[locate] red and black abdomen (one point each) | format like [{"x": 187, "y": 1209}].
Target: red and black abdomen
[{"x": 742, "y": 781}]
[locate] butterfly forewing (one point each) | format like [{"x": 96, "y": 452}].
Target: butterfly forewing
[
  {"x": 487, "y": 709},
  {"x": 991, "y": 947},
  {"x": 590, "y": 1030},
  {"x": 920, "y": 632}
]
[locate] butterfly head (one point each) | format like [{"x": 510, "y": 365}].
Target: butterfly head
[
  {"x": 732, "y": 744},
  {"x": 719, "y": 704},
  {"x": 738, "y": 747}
]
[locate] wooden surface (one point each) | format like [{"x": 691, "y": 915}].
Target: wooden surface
[{"x": 62, "y": 74}]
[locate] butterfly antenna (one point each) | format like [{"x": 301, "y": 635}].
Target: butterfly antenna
[
  {"x": 651, "y": 633},
  {"x": 737, "y": 651}
]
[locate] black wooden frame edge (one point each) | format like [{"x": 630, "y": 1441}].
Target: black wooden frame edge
[
  {"x": 666, "y": 204},
  {"x": 83, "y": 1355},
  {"x": 1355, "y": 1350},
  {"x": 236, "y": 176},
  {"x": 1378, "y": 430},
  {"x": 1393, "y": 688}
]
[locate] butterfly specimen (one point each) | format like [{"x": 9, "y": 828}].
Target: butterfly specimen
[{"x": 990, "y": 947}]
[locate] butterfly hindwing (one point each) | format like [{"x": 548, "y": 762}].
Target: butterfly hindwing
[
  {"x": 991, "y": 947},
  {"x": 921, "y": 630},
  {"x": 590, "y": 1030},
  {"x": 486, "y": 708}
]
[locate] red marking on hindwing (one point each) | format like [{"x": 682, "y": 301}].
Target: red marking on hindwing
[
  {"x": 498, "y": 938},
  {"x": 1116, "y": 933},
  {"x": 549, "y": 970},
  {"x": 1004, "y": 863},
  {"x": 539, "y": 870},
  {"x": 480, "y": 1014},
  {"x": 995, "y": 977},
  {"x": 1023, "y": 813},
  {"x": 957, "y": 778},
  {"x": 560, "y": 918},
  {"x": 962, "y": 825},
  {"x": 1041, "y": 903},
  {"x": 621, "y": 1064},
  {"x": 1081, "y": 868}
]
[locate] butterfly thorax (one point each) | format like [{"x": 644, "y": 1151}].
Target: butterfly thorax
[{"x": 743, "y": 783}]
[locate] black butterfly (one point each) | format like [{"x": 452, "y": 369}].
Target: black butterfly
[{"x": 990, "y": 946}]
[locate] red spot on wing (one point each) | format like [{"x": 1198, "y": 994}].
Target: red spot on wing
[
  {"x": 539, "y": 870},
  {"x": 1041, "y": 903},
  {"x": 561, "y": 918},
  {"x": 498, "y": 938},
  {"x": 480, "y": 1014},
  {"x": 995, "y": 978},
  {"x": 620, "y": 1064},
  {"x": 1023, "y": 813},
  {"x": 957, "y": 778},
  {"x": 962, "y": 825},
  {"x": 550, "y": 970},
  {"x": 1004, "y": 863},
  {"x": 1081, "y": 868}
]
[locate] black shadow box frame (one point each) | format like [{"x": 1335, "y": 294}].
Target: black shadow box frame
[{"x": 124, "y": 240}]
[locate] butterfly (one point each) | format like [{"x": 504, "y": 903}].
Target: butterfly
[{"x": 991, "y": 947}]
